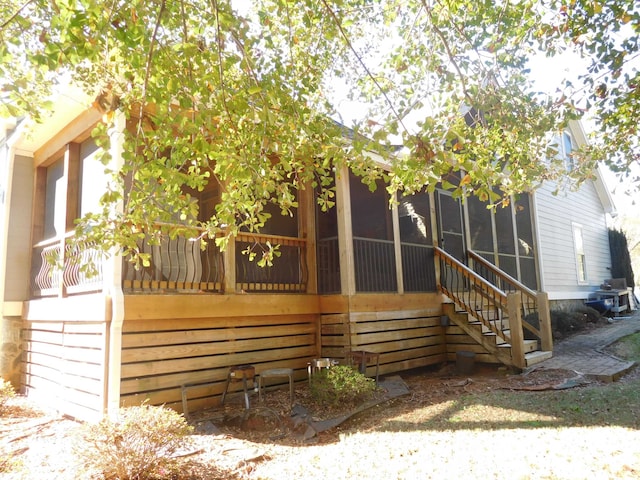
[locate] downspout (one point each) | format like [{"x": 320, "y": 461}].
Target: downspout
[{"x": 114, "y": 297}]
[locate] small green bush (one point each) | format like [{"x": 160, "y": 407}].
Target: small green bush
[
  {"x": 6, "y": 393},
  {"x": 139, "y": 444},
  {"x": 341, "y": 385}
]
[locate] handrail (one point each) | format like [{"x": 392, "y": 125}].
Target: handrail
[
  {"x": 503, "y": 275},
  {"x": 277, "y": 239},
  {"x": 54, "y": 240},
  {"x": 461, "y": 267},
  {"x": 529, "y": 305},
  {"x": 478, "y": 297}
]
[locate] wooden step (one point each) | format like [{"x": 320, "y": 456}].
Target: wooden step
[
  {"x": 485, "y": 331},
  {"x": 529, "y": 346},
  {"x": 536, "y": 357}
]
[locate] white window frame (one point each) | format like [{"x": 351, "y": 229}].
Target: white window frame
[
  {"x": 566, "y": 152},
  {"x": 579, "y": 253}
]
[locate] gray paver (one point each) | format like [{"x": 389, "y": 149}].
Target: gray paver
[{"x": 584, "y": 353}]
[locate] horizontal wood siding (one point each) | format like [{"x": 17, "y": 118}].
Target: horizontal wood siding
[
  {"x": 160, "y": 355},
  {"x": 404, "y": 329},
  {"x": 335, "y": 335},
  {"x": 63, "y": 364}
]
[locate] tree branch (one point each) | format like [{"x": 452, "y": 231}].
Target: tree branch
[
  {"x": 450, "y": 54},
  {"x": 364, "y": 66},
  {"x": 214, "y": 5},
  {"x": 12, "y": 18},
  {"x": 147, "y": 72}
]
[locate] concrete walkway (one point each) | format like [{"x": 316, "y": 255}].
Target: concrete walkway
[{"x": 584, "y": 354}]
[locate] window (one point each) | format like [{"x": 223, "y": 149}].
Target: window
[
  {"x": 93, "y": 180},
  {"x": 581, "y": 260},
  {"x": 55, "y": 200},
  {"x": 566, "y": 146}
]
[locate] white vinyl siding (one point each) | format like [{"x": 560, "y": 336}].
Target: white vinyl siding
[{"x": 556, "y": 216}]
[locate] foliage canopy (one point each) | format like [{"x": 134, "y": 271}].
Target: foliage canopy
[{"x": 241, "y": 93}]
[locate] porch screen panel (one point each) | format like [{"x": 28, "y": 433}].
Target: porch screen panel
[
  {"x": 480, "y": 228},
  {"x": 374, "y": 254},
  {"x": 508, "y": 264},
  {"x": 450, "y": 222},
  {"x": 418, "y": 268},
  {"x": 504, "y": 230},
  {"x": 524, "y": 226},
  {"x": 327, "y": 250},
  {"x": 507, "y": 261},
  {"x": 528, "y": 273}
]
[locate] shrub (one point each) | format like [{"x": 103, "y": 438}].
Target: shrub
[
  {"x": 341, "y": 385},
  {"x": 6, "y": 393},
  {"x": 565, "y": 322},
  {"x": 139, "y": 444}
]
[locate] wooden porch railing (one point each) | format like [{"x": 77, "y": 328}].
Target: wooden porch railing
[
  {"x": 59, "y": 268},
  {"x": 185, "y": 265},
  {"x": 375, "y": 265},
  {"x": 289, "y": 272},
  {"x": 473, "y": 294},
  {"x": 534, "y": 305},
  {"x": 499, "y": 311},
  {"x": 176, "y": 265}
]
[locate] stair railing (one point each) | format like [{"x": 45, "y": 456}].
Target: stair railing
[
  {"x": 474, "y": 294},
  {"x": 533, "y": 305}
]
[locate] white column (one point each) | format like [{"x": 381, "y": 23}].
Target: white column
[{"x": 114, "y": 305}]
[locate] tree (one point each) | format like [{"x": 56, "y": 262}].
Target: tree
[
  {"x": 620, "y": 259},
  {"x": 219, "y": 90}
]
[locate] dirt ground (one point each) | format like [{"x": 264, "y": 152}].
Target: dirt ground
[{"x": 231, "y": 444}]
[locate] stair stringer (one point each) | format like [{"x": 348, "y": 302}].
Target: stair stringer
[{"x": 461, "y": 319}]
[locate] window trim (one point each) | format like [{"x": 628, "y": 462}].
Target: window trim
[{"x": 580, "y": 255}]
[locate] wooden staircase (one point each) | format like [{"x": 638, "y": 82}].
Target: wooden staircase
[
  {"x": 495, "y": 344},
  {"x": 496, "y": 318}
]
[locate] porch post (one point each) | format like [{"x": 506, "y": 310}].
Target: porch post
[
  {"x": 544, "y": 317},
  {"x": 514, "y": 312},
  {"x": 307, "y": 230},
  {"x": 345, "y": 232},
  {"x": 435, "y": 241},
  {"x": 114, "y": 297},
  {"x": 229, "y": 260},
  {"x": 397, "y": 247}
]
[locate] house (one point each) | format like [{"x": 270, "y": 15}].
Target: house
[
  {"x": 572, "y": 232},
  {"x": 416, "y": 283}
]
